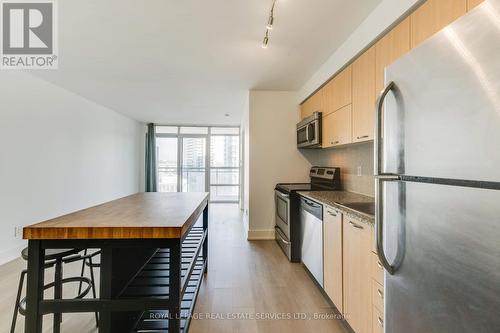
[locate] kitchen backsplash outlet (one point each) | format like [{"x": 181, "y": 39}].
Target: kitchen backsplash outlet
[{"x": 350, "y": 159}]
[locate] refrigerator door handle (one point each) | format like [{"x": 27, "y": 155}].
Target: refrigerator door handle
[
  {"x": 379, "y": 221},
  {"x": 379, "y": 114}
]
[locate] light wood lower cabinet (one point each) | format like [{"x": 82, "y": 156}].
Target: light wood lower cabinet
[
  {"x": 377, "y": 269},
  {"x": 357, "y": 274},
  {"x": 332, "y": 255},
  {"x": 377, "y": 321},
  {"x": 378, "y": 296},
  {"x": 337, "y": 128},
  {"x": 378, "y": 291}
]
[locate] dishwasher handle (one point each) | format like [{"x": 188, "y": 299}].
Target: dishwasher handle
[{"x": 312, "y": 208}]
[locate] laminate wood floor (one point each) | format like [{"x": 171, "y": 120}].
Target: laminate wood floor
[{"x": 250, "y": 288}]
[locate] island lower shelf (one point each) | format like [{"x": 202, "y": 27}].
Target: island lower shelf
[{"x": 153, "y": 282}]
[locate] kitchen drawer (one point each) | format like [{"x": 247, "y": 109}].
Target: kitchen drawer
[
  {"x": 377, "y": 269},
  {"x": 378, "y": 296},
  {"x": 377, "y": 321}
]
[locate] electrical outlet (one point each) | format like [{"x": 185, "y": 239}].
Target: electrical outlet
[
  {"x": 360, "y": 171},
  {"x": 18, "y": 231}
]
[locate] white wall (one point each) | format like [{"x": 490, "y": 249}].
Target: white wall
[
  {"x": 245, "y": 131},
  {"x": 379, "y": 20},
  {"x": 59, "y": 153},
  {"x": 273, "y": 156}
]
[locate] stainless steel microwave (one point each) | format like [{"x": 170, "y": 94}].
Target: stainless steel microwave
[{"x": 309, "y": 131}]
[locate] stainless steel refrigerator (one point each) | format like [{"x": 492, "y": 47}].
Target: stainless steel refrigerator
[{"x": 437, "y": 165}]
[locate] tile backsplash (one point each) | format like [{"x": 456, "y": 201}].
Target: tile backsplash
[{"x": 351, "y": 160}]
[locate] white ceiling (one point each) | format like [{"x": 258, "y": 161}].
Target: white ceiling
[{"x": 193, "y": 61}]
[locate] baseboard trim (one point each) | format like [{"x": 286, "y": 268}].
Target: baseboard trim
[
  {"x": 11, "y": 254},
  {"x": 262, "y": 234}
]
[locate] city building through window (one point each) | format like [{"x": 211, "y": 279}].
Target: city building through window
[{"x": 199, "y": 159}]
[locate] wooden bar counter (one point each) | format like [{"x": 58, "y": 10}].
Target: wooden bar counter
[{"x": 153, "y": 257}]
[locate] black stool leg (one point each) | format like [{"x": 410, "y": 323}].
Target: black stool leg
[
  {"x": 58, "y": 294},
  {"x": 18, "y": 299},
  {"x": 81, "y": 273},
  {"x": 93, "y": 289}
]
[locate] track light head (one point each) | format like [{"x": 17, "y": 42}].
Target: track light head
[
  {"x": 265, "y": 42},
  {"x": 270, "y": 22}
]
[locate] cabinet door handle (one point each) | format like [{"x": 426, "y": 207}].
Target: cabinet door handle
[
  {"x": 380, "y": 265},
  {"x": 357, "y": 226},
  {"x": 380, "y": 322},
  {"x": 380, "y": 293},
  {"x": 363, "y": 137},
  {"x": 334, "y": 142},
  {"x": 331, "y": 213}
]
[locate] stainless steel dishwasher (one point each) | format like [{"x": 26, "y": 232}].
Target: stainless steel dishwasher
[{"x": 311, "y": 221}]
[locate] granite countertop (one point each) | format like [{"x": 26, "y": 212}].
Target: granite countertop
[{"x": 338, "y": 199}]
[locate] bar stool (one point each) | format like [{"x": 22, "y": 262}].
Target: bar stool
[
  {"x": 55, "y": 258},
  {"x": 87, "y": 261}
]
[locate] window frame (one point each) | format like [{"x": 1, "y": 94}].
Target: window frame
[{"x": 208, "y": 167}]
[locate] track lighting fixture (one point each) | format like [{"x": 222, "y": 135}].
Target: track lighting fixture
[{"x": 269, "y": 26}]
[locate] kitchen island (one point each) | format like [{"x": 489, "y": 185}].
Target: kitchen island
[{"x": 153, "y": 257}]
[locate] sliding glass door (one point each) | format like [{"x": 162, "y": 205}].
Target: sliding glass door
[
  {"x": 167, "y": 161},
  {"x": 193, "y": 167},
  {"x": 199, "y": 159},
  {"x": 224, "y": 164}
]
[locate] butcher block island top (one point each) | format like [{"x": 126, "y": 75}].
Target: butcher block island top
[{"x": 138, "y": 216}]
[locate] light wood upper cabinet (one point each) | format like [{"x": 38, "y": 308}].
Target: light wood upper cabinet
[
  {"x": 337, "y": 128},
  {"x": 388, "y": 49},
  {"x": 312, "y": 104},
  {"x": 332, "y": 254},
  {"x": 433, "y": 16},
  {"x": 363, "y": 96},
  {"x": 348, "y": 100},
  {"x": 327, "y": 131},
  {"x": 357, "y": 275},
  {"x": 473, "y": 3},
  {"x": 338, "y": 92},
  {"x": 306, "y": 109}
]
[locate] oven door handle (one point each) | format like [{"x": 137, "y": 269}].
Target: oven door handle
[{"x": 280, "y": 234}]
